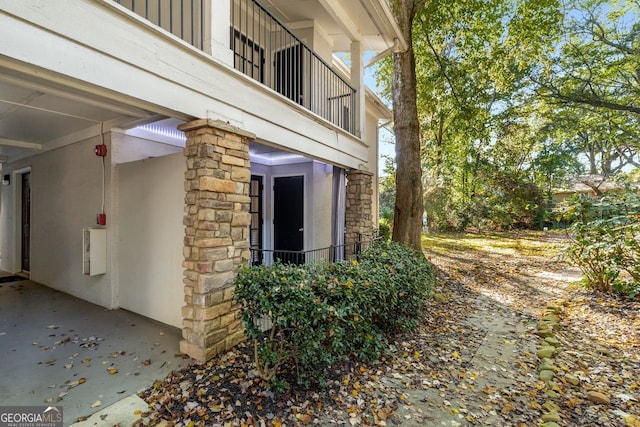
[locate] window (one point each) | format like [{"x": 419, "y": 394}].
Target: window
[
  {"x": 248, "y": 57},
  {"x": 255, "y": 210}
]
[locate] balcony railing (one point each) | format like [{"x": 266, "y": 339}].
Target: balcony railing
[
  {"x": 265, "y": 50},
  {"x": 182, "y": 18},
  {"x": 329, "y": 254}
]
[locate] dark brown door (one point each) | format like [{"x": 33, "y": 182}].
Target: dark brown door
[{"x": 26, "y": 221}]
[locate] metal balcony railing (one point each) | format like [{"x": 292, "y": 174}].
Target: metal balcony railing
[
  {"x": 264, "y": 49},
  {"x": 182, "y": 18},
  {"x": 329, "y": 254}
]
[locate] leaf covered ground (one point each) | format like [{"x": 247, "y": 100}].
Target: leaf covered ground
[{"x": 472, "y": 361}]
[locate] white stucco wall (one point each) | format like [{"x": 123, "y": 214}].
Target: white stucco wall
[
  {"x": 66, "y": 194},
  {"x": 150, "y": 237},
  {"x": 321, "y": 181}
]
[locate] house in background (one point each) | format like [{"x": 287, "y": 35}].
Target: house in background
[
  {"x": 590, "y": 186},
  {"x": 146, "y": 145}
]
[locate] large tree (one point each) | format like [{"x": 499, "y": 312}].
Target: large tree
[
  {"x": 471, "y": 60},
  {"x": 407, "y": 227},
  {"x": 598, "y": 63}
]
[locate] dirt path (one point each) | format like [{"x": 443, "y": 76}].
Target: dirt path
[{"x": 473, "y": 360}]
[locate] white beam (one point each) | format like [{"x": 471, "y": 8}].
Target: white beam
[
  {"x": 65, "y": 94},
  {"x": 341, "y": 16},
  {"x": 20, "y": 144},
  {"x": 357, "y": 81},
  {"x": 217, "y": 36}
]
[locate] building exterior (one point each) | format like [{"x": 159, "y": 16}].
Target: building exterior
[{"x": 147, "y": 145}]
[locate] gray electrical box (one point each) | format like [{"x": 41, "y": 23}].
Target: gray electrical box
[{"x": 94, "y": 251}]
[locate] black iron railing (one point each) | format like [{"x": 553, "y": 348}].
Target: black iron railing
[
  {"x": 182, "y": 18},
  {"x": 270, "y": 53},
  {"x": 264, "y": 49},
  {"x": 333, "y": 253}
]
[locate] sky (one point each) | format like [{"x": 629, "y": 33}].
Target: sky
[{"x": 385, "y": 135}]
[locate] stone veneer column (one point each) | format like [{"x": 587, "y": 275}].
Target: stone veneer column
[
  {"x": 358, "y": 217},
  {"x": 216, "y": 235}
]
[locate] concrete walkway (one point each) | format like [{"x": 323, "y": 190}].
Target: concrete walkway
[
  {"x": 489, "y": 367},
  {"x": 61, "y": 351}
]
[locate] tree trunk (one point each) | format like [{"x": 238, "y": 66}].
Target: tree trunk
[{"x": 407, "y": 225}]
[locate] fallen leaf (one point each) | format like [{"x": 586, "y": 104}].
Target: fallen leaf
[{"x": 96, "y": 404}]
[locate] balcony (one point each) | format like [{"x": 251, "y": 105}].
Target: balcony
[{"x": 264, "y": 49}]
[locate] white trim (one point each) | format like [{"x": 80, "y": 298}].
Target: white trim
[
  {"x": 264, "y": 208},
  {"x": 20, "y": 144},
  {"x": 337, "y": 12}
]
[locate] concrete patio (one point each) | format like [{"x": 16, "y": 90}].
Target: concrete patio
[{"x": 63, "y": 351}]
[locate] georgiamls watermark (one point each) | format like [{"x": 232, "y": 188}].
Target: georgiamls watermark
[{"x": 30, "y": 416}]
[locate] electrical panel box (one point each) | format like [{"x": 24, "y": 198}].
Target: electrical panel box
[{"x": 94, "y": 251}]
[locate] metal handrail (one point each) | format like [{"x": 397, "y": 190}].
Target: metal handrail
[
  {"x": 265, "y": 50},
  {"x": 328, "y": 254}
]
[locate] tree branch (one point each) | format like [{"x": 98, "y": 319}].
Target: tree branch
[
  {"x": 598, "y": 34},
  {"x": 444, "y": 72},
  {"x": 577, "y": 98}
]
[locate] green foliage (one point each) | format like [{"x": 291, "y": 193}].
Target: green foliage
[
  {"x": 606, "y": 241},
  {"x": 388, "y": 190},
  {"x": 522, "y": 96},
  {"x": 384, "y": 229},
  {"x": 474, "y": 98},
  {"x": 323, "y": 314}
]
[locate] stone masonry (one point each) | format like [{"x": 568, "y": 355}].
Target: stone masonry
[
  {"x": 358, "y": 215},
  {"x": 216, "y": 235}
]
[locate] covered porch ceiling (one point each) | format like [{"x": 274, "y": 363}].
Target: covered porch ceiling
[
  {"x": 38, "y": 115},
  {"x": 166, "y": 132},
  {"x": 367, "y": 21}
]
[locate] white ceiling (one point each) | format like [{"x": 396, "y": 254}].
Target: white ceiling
[
  {"x": 36, "y": 116},
  {"x": 336, "y": 24}
]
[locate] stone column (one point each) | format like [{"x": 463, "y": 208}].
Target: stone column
[
  {"x": 358, "y": 213},
  {"x": 216, "y": 235}
]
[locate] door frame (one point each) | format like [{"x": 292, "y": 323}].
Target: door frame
[
  {"x": 17, "y": 219},
  {"x": 305, "y": 214},
  {"x": 263, "y": 198}
]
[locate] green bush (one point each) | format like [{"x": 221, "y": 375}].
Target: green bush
[
  {"x": 323, "y": 314},
  {"x": 605, "y": 241},
  {"x": 384, "y": 229}
]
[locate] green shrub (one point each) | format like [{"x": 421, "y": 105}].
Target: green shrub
[
  {"x": 384, "y": 229},
  {"x": 605, "y": 241},
  {"x": 323, "y": 314}
]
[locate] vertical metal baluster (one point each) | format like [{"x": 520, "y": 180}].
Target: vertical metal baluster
[
  {"x": 171, "y": 16},
  {"x": 202, "y": 22},
  {"x": 246, "y": 37},
  {"x": 254, "y": 37},
  {"x": 232, "y": 30}
]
